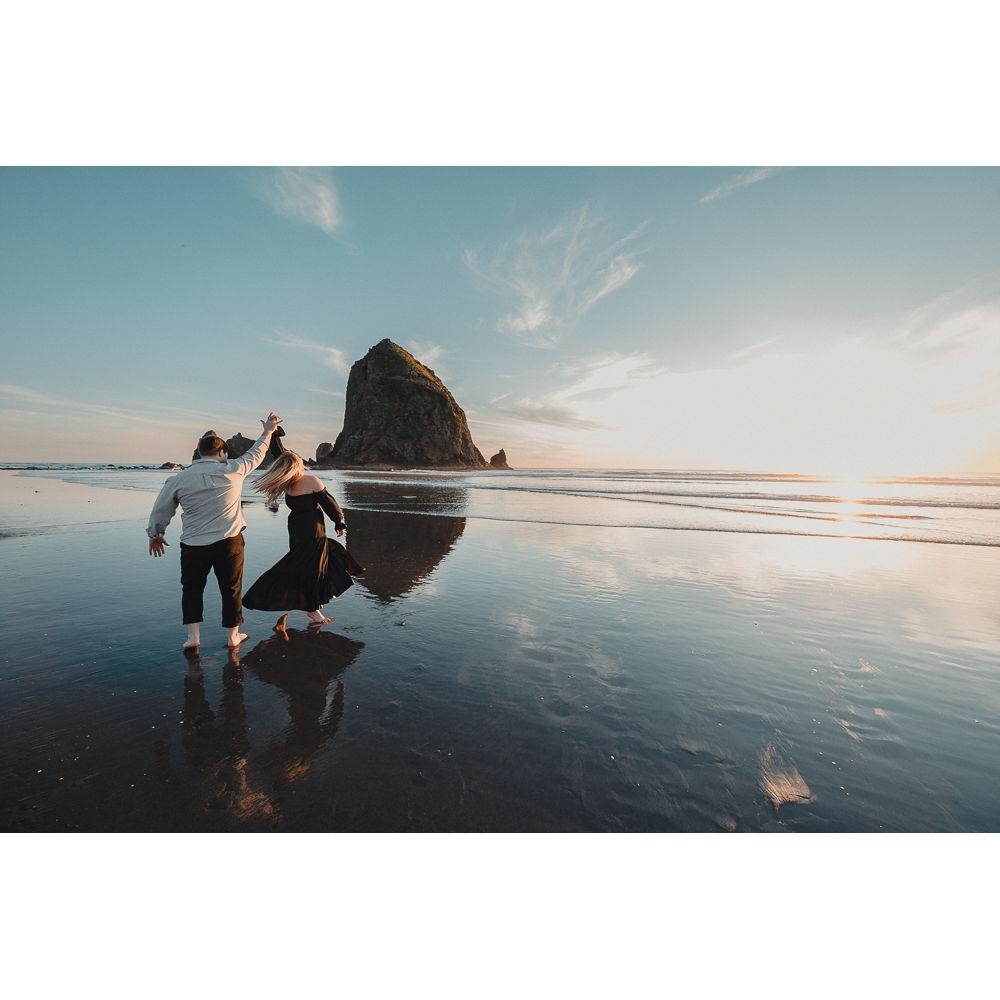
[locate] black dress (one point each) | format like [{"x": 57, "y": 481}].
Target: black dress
[{"x": 316, "y": 568}]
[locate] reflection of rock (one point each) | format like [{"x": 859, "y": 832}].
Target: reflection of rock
[
  {"x": 398, "y": 412},
  {"x": 433, "y": 497},
  {"x": 499, "y": 460},
  {"x": 323, "y": 451},
  {"x": 399, "y": 550}
]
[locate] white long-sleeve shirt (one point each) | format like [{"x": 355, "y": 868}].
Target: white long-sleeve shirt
[{"x": 208, "y": 492}]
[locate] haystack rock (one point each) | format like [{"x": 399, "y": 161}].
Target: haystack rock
[
  {"x": 323, "y": 451},
  {"x": 398, "y": 412},
  {"x": 499, "y": 460}
]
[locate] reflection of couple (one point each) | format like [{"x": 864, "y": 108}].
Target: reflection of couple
[
  {"x": 232, "y": 779},
  {"x": 209, "y": 492}
]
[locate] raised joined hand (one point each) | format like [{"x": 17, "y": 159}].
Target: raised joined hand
[{"x": 271, "y": 422}]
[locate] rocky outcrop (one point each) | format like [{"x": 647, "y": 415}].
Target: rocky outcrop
[
  {"x": 171, "y": 465},
  {"x": 399, "y": 413},
  {"x": 323, "y": 451},
  {"x": 239, "y": 445},
  {"x": 499, "y": 460}
]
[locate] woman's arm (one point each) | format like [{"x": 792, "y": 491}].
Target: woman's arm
[
  {"x": 332, "y": 509},
  {"x": 249, "y": 461},
  {"x": 276, "y": 447}
]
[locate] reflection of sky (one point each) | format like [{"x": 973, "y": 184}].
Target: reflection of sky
[
  {"x": 866, "y": 658},
  {"x": 938, "y": 593}
]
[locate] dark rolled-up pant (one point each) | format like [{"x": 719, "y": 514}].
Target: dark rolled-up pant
[{"x": 225, "y": 557}]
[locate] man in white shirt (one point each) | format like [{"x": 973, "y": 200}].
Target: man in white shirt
[{"x": 209, "y": 494}]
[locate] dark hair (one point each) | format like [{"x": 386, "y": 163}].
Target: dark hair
[{"x": 210, "y": 443}]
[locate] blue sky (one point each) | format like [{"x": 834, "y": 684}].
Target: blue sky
[{"x": 831, "y": 320}]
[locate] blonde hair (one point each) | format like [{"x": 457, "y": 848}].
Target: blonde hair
[{"x": 287, "y": 467}]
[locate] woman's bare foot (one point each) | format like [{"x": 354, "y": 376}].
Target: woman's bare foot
[
  {"x": 235, "y": 637},
  {"x": 318, "y": 618}
]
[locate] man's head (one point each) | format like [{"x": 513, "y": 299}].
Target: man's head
[{"x": 210, "y": 445}]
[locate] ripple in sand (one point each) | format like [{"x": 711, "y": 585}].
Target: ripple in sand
[{"x": 780, "y": 780}]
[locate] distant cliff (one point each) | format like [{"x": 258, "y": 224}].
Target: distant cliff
[{"x": 397, "y": 412}]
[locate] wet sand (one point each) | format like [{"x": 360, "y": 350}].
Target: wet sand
[{"x": 497, "y": 675}]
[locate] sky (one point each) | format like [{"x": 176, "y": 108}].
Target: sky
[{"x": 841, "y": 321}]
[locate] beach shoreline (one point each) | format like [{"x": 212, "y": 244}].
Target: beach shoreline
[{"x": 496, "y": 675}]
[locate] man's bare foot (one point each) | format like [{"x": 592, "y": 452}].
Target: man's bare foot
[
  {"x": 193, "y": 640},
  {"x": 318, "y": 618},
  {"x": 280, "y": 625},
  {"x": 235, "y": 638}
]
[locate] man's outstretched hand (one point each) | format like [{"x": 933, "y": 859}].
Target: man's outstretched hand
[
  {"x": 272, "y": 421},
  {"x": 157, "y": 545}
]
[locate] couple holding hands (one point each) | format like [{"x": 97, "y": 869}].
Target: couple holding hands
[{"x": 209, "y": 491}]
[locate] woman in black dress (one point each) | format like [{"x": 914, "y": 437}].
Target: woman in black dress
[{"x": 316, "y": 568}]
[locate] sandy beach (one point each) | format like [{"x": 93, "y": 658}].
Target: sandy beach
[{"x": 491, "y": 673}]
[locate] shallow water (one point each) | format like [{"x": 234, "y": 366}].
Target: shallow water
[
  {"x": 958, "y": 510},
  {"x": 496, "y": 670}
]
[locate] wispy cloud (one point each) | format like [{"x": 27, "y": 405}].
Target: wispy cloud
[
  {"x": 82, "y": 408},
  {"x": 602, "y": 376},
  {"x": 332, "y": 357},
  {"x": 585, "y": 383},
  {"x": 551, "y": 414},
  {"x": 58, "y": 428},
  {"x": 739, "y": 181},
  {"x": 752, "y": 350},
  {"x": 957, "y": 333},
  {"x": 304, "y": 193},
  {"x": 326, "y": 392},
  {"x": 159, "y": 417},
  {"x": 967, "y": 405},
  {"x": 548, "y": 280},
  {"x": 425, "y": 352},
  {"x": 967, "y": 317}
]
